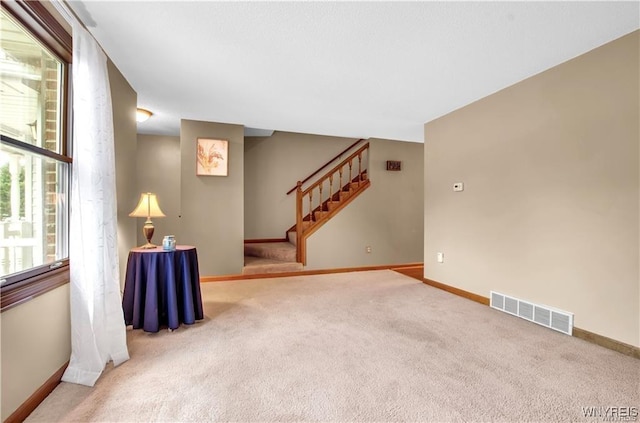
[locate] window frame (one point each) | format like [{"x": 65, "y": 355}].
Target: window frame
[{"x": 35, "y": 17}]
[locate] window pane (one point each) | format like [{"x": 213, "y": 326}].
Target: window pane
[
  {"x": 30, "y": 94},
  {"x": 33, "y": 204}
]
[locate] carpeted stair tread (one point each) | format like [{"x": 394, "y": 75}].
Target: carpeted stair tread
[
  {"x": 282, "y": 251},
  {"x": 333, "y": 204},
  {"x": 259, "y": 265},
  {"x": 320, "y": 214}
]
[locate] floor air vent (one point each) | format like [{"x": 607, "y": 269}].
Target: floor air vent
[{"x": 546, "y": 316}]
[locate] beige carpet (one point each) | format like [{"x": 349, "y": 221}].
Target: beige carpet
[{"x": 353, "y": 347}]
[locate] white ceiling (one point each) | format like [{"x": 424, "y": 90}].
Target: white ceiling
[{"x": 353, "y": 69}]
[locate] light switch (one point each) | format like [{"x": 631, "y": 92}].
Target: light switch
[{"x": 440, "y": 257}]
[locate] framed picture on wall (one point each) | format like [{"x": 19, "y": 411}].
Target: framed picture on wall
[
  {"x": 394, "y": 165},
  {"x": 212, "y": 157}
]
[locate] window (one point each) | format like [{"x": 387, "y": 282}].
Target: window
[{"x": 35, "y": 163}]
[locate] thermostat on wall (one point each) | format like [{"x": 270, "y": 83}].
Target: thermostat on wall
[{"x": 458, "y": 186}]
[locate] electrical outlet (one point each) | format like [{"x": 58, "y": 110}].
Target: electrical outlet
[{"x": 368, "y": 249}]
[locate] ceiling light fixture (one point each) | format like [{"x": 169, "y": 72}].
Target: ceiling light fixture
[{"x": 142, "y": 115}]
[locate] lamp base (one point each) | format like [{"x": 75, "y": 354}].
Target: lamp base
[
  {"x": 147, "y": 246},
  {"x": 147, "y": 230}
]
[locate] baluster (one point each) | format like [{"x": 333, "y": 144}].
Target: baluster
[
  {"x": 350, "y": 177},
  {"x": 310, "y": 206},
  {"x": 299, "y": 221},
  {"x": 340, "y": 179},
  {"x": 359, "y": 168},
  {"x": 330, "y": 190},
  {"x": 321, "y": 195}
]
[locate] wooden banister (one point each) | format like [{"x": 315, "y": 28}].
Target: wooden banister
[
  {"x": 336, "y": 168},
  {"x": 326, "y": 164}
]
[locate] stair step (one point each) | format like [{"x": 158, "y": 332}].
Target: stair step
[
  {"x": 283, "y": 251},
  {"x": 306, "y": 224},
  {"x": 333, "y": 204},
  {"x": 320, "y": 214},
  {"x": 259, "y": 265}
]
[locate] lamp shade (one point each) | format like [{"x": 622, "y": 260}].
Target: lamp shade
[{"x": 147, "y": 207}]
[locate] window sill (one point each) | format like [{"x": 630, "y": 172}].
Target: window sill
[{"x": 25, "y": 290}]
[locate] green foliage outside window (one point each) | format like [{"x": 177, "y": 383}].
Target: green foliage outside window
[{"x": 5, "y": 192}]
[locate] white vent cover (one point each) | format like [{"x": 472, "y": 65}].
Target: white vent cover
[{"x": 559, "y": 320}]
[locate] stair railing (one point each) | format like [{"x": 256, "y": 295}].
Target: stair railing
[
  {"x": 337, "y": 156},
  {"x": 337, "y": 182}
]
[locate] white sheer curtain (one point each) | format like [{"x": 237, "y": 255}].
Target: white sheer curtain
[{"x": 98, "y": 332}]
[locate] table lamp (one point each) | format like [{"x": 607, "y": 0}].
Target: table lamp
[{"x": 147, "y": 207}]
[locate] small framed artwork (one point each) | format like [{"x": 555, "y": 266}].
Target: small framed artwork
[
  {"x": 212, "y": 157},
  {"x": 394, "y": 165}
]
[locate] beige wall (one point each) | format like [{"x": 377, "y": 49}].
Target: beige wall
[
  {"x": 158, "y": 171},
  {"x": 36, "y": 342},
  {"x": 388, "y": 216},
  {"x": 212, "y": 207},
  {"x": 273, "y": 165},
  {"x": 550, "y": 208},
  {"x": 124, "y": 101}
]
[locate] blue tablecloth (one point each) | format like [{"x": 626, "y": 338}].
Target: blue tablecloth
[{"x": 162, "y": 288}]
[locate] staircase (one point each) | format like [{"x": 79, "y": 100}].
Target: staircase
[
  {"x": 330, "y": 206},
  {"x": 306, "y": 225},
  {"x": 315, "y": 206}
]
